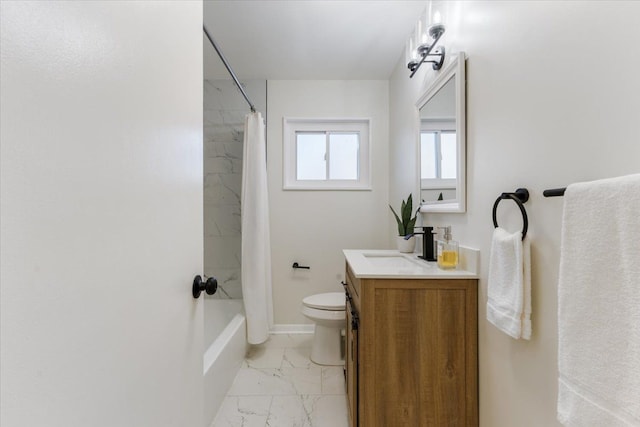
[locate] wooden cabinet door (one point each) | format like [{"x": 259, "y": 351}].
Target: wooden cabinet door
[
  {"x": 419, "y": 353},
  {"x": 351, "y": 363}
]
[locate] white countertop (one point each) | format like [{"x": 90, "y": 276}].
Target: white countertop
[{"x": 391, "y": 264}]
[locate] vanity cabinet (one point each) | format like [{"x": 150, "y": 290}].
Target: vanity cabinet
[{"x": 411, "y": 359}]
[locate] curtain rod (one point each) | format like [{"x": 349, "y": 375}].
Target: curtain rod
[{"x": 226, "y": 64}]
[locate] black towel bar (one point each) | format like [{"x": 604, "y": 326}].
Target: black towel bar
[
  {"x": 554, "y": 192},
  {"x": 520, "y": 196},
  {"x": 296, "y": 266}
]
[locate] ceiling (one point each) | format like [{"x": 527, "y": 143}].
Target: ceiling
[{"x": 308, "y": 39}]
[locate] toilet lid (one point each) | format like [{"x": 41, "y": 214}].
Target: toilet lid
[{"x": 328, "y": 301}]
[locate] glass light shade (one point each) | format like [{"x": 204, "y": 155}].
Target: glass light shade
[
  {"x": 413, "y": 53},
  {"x": 437, "y": 18},
  {"x": 425, "y": 27}
]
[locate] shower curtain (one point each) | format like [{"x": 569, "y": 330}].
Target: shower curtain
[{"x": 256, "y": 245}]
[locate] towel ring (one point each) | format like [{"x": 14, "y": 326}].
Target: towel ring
[{"x": 520, "y": 196}]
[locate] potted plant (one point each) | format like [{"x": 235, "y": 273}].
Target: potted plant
[{"x": 406, "y": 240}]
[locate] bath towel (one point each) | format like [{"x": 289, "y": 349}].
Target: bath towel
[
  {"x": 509, "y": 302},
  {"x": 599, "y": 304}
]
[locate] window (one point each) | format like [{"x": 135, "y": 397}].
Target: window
[
  {"x": 438, "y": 152},
  {"x": 326, "y": 154}
]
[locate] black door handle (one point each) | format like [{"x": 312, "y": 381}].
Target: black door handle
[{"x": 210, "y": 286}]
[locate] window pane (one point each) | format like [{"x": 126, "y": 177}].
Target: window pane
[
  {"x": 311, "y": 152},
  {"x": 343, "y": 155},
  {"x": 448, "y": 149},
  {"x": 427, "y": 155},
  {"x": 324, "y": 154}
]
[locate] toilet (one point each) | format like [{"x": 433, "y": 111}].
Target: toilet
[{"x": 328, "y": 313}]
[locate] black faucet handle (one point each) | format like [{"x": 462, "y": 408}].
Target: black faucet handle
[{"x": 428, "y": 252}]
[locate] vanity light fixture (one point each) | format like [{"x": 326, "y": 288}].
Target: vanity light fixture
[{"x": 426, "y": 52}]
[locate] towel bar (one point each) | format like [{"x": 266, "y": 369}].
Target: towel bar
[
  {"x": 554, "y": 192},
  {"x": 296, "y": 265},
  {"x": 520, "y": 196}
]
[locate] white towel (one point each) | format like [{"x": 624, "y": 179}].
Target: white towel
[
  {"x": 599, "y": 304},
  {"x": 509, "y": 302}
]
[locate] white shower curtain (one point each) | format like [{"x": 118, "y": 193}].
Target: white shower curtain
[{"x": 256, "y": 245}]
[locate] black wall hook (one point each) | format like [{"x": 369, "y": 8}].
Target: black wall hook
[{"x": 520, "y": 196}]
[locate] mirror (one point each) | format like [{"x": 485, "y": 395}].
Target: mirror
[{"x": 441, "y": 141}]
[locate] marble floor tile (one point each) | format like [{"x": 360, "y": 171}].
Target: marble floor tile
[
  {"x": 245, "y": 411},
  {"x": 264, "y": 382},
  {"x": 308, "y": 411},
  {"x": 278, "y": 386},
  {"x": 333, "y": 380},
  {"x": 271, "y": 382},
  {"x": 289, "y": 341},
  {"x": 326, "y": 411},
  {"x": 288, "y": 411},
  {"x": 261, "y": 357},
  {"x": 297, "y": 357},
  {"x": 304, "y": 380}
]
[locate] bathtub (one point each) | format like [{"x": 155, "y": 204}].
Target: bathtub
[{"x": 225, "y": 343}]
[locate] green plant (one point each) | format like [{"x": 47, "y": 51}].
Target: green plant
[{"x": 405, "y": 222}]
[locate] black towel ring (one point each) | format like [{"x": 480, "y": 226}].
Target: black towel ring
[{"x": 520, "y": 196}]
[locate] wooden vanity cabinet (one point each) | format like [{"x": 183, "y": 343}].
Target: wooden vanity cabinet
[{"x": 412, "y": 358}]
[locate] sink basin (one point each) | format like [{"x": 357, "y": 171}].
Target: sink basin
[{"x": 391, "y": 261}]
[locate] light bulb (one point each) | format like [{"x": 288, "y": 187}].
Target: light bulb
[
  {"x": 408, "y": 53},
  {"x": 412, "y": 50},
  {"x": 436, "y": 17},
  {"x": 425, "y": 36}
]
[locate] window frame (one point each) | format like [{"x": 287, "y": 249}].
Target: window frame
[{"x": 291, "y": 125}]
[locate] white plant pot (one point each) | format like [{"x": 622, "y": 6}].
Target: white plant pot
[{"x": 406, "y": 245}]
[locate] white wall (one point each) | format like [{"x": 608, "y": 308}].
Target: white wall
[
  {"x": 312, "y": 227},
  {"x": 550, "y": 101}
]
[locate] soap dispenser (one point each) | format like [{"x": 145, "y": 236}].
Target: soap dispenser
[{"x": 447, "y": 249}]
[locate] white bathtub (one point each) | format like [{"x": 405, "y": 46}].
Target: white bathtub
[{"x": 225, "y": 340}]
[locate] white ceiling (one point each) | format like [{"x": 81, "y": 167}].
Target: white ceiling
[{"x": 308, "y": 39}]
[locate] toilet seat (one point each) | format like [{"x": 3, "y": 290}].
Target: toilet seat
[
  {"x": 317, "y": 314},
  {"x": 330, "y": 301}
]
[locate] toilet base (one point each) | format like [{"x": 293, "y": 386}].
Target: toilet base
[{"x": 327, "y": 346}]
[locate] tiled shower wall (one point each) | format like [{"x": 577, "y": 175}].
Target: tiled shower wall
[{"x": 224, "y": 112}]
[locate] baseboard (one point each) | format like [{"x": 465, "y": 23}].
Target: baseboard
[{"x": 292, "y": 329}]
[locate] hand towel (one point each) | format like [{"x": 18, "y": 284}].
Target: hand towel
[
  {"x": 599, "y": 304},
  {"x": 509, "y": 302}
]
